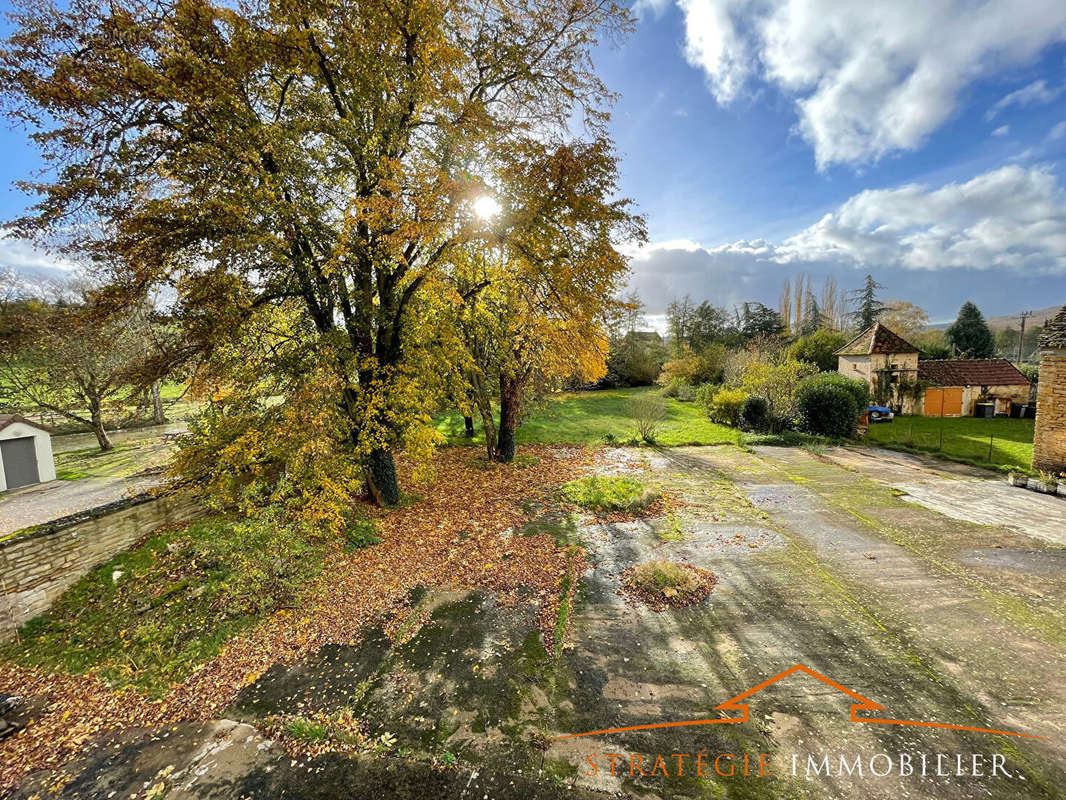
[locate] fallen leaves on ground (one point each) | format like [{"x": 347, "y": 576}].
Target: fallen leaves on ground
[{"x": 450, "y": 538}]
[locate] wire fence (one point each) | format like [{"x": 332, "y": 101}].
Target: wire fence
[{"x": 991, "y": 448}]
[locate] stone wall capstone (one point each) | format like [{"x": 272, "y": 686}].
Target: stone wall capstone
[{"x": 38, "y": 564}]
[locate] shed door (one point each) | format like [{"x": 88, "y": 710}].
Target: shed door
[
  {"x": 953, "y": 402},
  {"x": 934, "y": 403},
  {"x": 20, "y": 462}
]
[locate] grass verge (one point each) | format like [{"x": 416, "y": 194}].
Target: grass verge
[
  {"x": 1003, "y": 444},
  {"x": 152, "y": 614}
]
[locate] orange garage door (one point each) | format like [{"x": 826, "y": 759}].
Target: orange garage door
[
  {"x": 953, "y": 402},
  {"x": 943, "y": 402},
  {"x": 934, "y": 403}
]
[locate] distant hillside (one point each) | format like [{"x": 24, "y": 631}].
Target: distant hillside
[{"x": 1040, "y": 316}]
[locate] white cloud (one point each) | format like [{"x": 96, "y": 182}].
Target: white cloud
[
  {"x": 1057, "y": 132},
  {"x": 1002, "y": 130},
  {"x": 1036, "y": 93},
  {"x": 1009, "y": 219},
  {"x": 868, "y": 78},
  {"x": 656, "y": 7},
  {"x": 29, "y": 260}
]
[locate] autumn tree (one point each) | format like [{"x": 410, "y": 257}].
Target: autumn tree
[
  {"x": 534, "y": 303},
  {"x": 70, "y": 360},
  {"x": 326, "y": 152},
  {"x": 905, "y": 318}
]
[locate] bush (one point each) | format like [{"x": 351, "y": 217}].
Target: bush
[
  {"x": 609, "y": 493},
  {"x": 683, "y": 370},
  {"x": 830, "y": 404},
  {"x": 819, "y": 348},
  {"x": 269, "y": 562},
  {"x": 827, "y": 410},
  {"x": 726, "y": 405},
  {"x": 705, "y": 393},
  {"x": 679, "y": 389},
  {"x": 755, "y": 414},
  {"x": 647, "y": 410},
  {"x": 857, "y": 388},
  {"x": 361, "y": 533}
]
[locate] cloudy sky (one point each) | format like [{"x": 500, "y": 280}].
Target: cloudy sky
[{"x": 923, "y": 141}]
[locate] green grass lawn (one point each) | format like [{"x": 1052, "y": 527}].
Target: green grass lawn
[
  {"x": 121, "y": 462},
  {"x": 595, "y": 417},
  {"x": 964, "y": 439}
]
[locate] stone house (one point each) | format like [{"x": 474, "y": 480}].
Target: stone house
[
  {"x": 942, "y": 388},
  {"x": 953, "y": 387},
  {"x": 1049, "y": 440},
  {"x": 883, "y": 359}
]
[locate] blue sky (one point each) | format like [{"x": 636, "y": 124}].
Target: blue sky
[
  {"x": 921, "y": 141},
  {"x": 723, "y": 167}
]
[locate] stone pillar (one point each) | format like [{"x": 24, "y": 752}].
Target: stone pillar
[{"x": 1049, "y": 440}]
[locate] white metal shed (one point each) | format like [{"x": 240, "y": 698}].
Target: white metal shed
[{"x": 25, "y": 453}]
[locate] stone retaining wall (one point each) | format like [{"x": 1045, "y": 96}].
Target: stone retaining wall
[{"x": 38, "y": 564}]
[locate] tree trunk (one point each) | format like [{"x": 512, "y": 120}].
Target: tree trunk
[
  {"x": 97, "y": 418},
  {"x": 509, "y": 408},
  {"x": 381, "y": 477},
  {"x": 158, "y": 414},
  {"x": 469, "y": 423},
  {"x": 484, "y": 406}
]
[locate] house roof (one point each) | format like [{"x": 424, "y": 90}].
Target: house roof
[
  {"x": 11, "y": 419},
  {"x": 971, "y": 372},
  {"x": 1054, "y": 334},
  {"x": 876, "y": 339}
]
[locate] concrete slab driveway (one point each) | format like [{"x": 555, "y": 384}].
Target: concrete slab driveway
[
  {"x": 934, "y": 649},
  {"x": 43, "y": 503},
  {"x": 960, "y": 491}
]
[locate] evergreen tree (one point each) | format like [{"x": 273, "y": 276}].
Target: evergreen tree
[
  {"x": 867, "y": 307},
  {"x": 969, "y": 334},
  {"x": 758, "y": 320}
]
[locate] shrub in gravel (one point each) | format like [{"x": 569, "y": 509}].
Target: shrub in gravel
[{"x": 668, "y": 584}]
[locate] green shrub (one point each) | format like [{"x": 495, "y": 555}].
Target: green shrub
[
  {"x": 819, "y": 348},
  {"x": 830, "y": 404},
  {"x": 609, "y": 493},
  {"x": 755, "y": 414},
  {"x": 647, "y": 410},
  {"x": 705, "y": 393},
  {"x": 361, "y": 533},
  {"x": 827, "y": 410},
  {"x": 268, "y": 562},
  {"x": 679, "y": 389},
  {"x": 726, "y": 406},
  {"x": 859, "y": 389}
]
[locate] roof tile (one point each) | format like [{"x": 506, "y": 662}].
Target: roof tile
[
  {"x": 876, "y": 339},
  {"x": 971, "y": 372}
]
